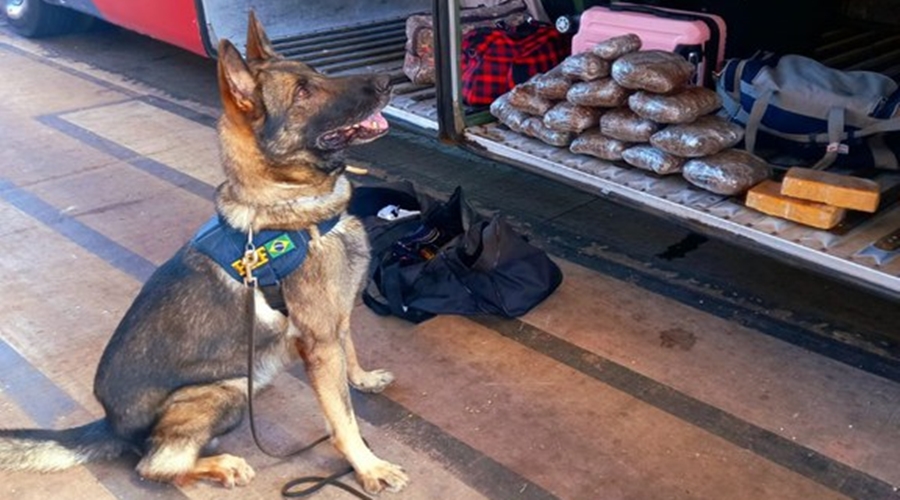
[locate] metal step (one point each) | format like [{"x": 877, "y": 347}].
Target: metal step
[{"x": 373, "y": 48}]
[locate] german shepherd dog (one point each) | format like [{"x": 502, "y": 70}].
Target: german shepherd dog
[{"x": 174, "y": 374}]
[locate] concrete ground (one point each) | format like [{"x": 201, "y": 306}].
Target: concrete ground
[{"x": 638, "y": 379}]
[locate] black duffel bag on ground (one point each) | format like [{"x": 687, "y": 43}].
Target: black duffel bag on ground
[{"x": 449, "y": 259}]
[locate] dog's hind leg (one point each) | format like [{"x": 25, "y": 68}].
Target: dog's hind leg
[
  {"x": 360, "y": 379},
  {"x": 189, "y": 419}
]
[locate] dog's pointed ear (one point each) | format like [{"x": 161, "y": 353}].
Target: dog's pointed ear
[
  {"x": 258, "y": 45},
  {"x": 241, "y": 101}
]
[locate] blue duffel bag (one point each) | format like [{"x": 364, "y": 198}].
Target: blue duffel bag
[{"x": 803, "y": 109}]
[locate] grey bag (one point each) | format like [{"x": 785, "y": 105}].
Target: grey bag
[{"x": 822, "y": 114}]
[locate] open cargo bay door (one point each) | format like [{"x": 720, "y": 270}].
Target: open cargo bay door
[
  {"x": 854, "y": 251},
  {"x": 347, "y": 36}
]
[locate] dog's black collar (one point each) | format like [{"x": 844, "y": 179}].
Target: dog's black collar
[{"x": 279, "y": 253}]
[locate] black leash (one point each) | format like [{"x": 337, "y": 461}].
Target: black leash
[
  {"x": 319, "y": 482},
  {"x": 316, "y": 482}
]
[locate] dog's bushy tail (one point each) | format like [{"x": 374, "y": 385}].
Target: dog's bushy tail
[{"x": 42, "y": 450}]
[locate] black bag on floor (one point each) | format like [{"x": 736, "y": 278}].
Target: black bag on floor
[{"x": 452, "y": 261}]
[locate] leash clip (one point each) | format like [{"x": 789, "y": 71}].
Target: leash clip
[{"x": 250, "y": 259}]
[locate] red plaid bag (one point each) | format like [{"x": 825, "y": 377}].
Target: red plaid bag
[
  {"x": 418, "y": 63},
  {"x": 494, "y": 60}
]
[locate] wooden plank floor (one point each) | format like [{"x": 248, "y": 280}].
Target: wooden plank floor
[{"x": 608, "y": 390}]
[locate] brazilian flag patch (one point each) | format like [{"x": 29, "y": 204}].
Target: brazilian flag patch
[
  {"x": 270, "y": 250},
  {"x": 279, "y": 246}
]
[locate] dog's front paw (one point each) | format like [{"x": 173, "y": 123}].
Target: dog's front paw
[
  {"x": 383, "y": 475},
  {"x": 228, "y": 470},
  {"x": 234, "y": 471},
  {"x": 373, "y": 381}
]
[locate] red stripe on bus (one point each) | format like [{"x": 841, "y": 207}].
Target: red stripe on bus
[{"x": 172, "y": 21}]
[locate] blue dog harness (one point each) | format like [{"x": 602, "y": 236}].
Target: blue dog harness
[{"x": 278, "y": 253}]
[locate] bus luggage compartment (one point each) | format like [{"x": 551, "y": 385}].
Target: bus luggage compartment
[{"x": 345, "y": 37}]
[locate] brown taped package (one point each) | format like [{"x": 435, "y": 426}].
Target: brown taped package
[
  {"x": 584, "y": 66},
  {"x": 684, "y": 106},
  {"x": 705, "y": 136},
  {"x": 646, "y": 157},
  {"x": 657, "y": 71},
  {"x": 834, "y": 189},
  {"x": 767, "y": 198},
  {"x": 729, "y": 172},
  {"x": 617, "y": 46},
  {"x": 551, "y": 85},
  {"x": 568, "y": 117},
  {"x": 534, "y": 127},
  {"x": 524, "y": 97},
  {"x": 593, "y": 143},
  {"x": 604, "y": 93},
  {"x": 624, "y": 125},
  {"x": 507, "y": 114}
]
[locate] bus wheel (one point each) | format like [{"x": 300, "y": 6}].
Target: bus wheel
[{"x": 36, "y": 18}]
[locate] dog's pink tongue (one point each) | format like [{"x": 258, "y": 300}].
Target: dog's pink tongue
[{"x": 376, "y": 122}]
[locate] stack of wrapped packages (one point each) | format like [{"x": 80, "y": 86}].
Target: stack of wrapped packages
[{"x": 620, "y": 103}]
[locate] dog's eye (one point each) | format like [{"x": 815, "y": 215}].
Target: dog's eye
[{"x": 301, "y": 91}]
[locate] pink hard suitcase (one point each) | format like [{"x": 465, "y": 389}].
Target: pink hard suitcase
[{"x": 699, "y": 37}]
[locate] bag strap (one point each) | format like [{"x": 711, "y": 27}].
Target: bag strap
[
  {"x": 891, "y": 125},
  {"x": 834, "y": 137},
  {"x": 836, "y": 120},
  {"x": 738, "y": 77},
  {"x": 754, "y": 120},
  {"x": 882, "y": 154}
]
